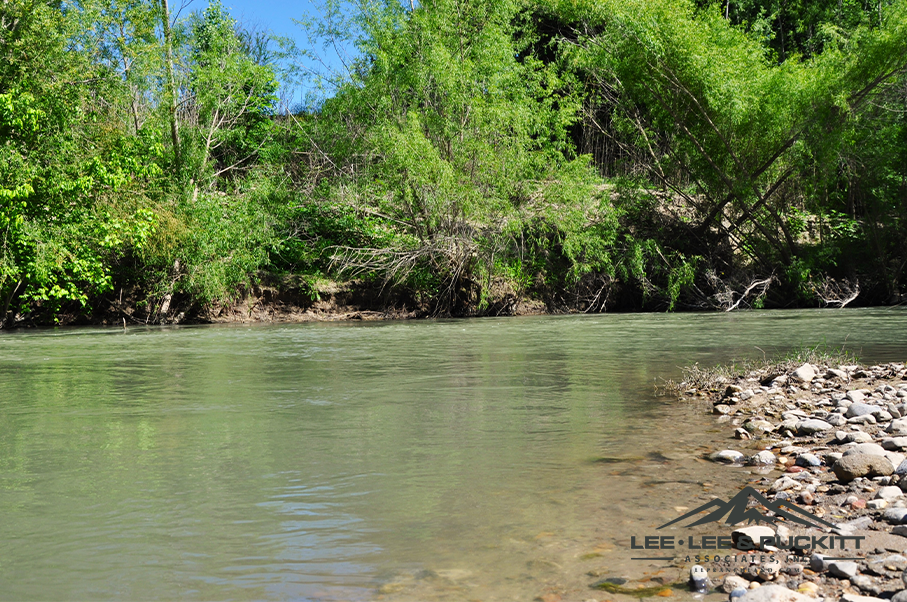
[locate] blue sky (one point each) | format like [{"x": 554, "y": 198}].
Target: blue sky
[{"x": 276, "y": 17}]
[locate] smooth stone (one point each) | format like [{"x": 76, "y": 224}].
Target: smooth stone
[
  {"x": 769, "y": 570},
  {"x": 877, "y": 504},
  {"x": 860, "y": 409},
  {"x": 897, "y": 427},
  {"x": 759, "y": 426},
  {"x": 844, "y": 569},
  {"x": 864, "y": 583},
  {"x": 755, "y": 533},
  {"x": 817, "y": 562},
  {"x": 774, "y": 593},
  {"x": 895, "y": 516},
  {"x": 835, "y": 419},
  {"x": 855, "y": 396},
  {"x": 873, "y": 449},
  {"x": 809, "y": 588},
  {"x": 804, "y": 373},
  {"x": 785, "y": 483},
  {"x": 889, "y": 493},
  {"x": 732, "y": 582},
  {"x": 832, "y": 457},
  {"x": 858, "y": 523},
  {"x": 900, "y": 530},
  {"x": 834, "y": 373},
  {"x": 852, "y": 466},
  {"x": 699, "y": 578},
  {"x": 808, "y": 460},
  {"x": 746, "y": 395},
  {"x": 895, "y": 458},
  {"x": 865, "y": 419},
  {"x": 859, "y": 598},
  {"x": 812, "y": 426},
  {"x": 738, "y": 593},
  {"x": 901, "y": 596},
  {"x": 789, "y": 424},
  {"x": 895, "y": 443},
  {"x": 728, "y": 456},
  {"x": 763, "y": 458},
  {"x": 857, "y": 437}
]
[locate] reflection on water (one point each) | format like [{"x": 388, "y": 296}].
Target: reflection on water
[{"x": 414, "y": 460}]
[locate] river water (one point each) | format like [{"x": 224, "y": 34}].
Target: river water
[{"x": 485, "y": 459}]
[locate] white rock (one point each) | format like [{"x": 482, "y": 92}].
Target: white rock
[
  {"x": 732, "y": 582},
  {"x": 889, "y": 493},
  {"x": 804, "y": 373},
  {"x": 763, "y": 458},
  {"x": 774, "y": 593},
  {"x": 755, "y": 533},
  {"x": 871, "y": 449},
  {"x": 728, "y": 456},
  {"x": 895, "y": 443},
  {"x": 855, "y": 396},
  {"x": 785, "y": 483}
]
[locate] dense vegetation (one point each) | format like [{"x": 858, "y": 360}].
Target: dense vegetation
[{"x": 470, "y": 156}]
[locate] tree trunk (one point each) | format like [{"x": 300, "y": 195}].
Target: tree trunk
[{"x": 171, "y": 82}]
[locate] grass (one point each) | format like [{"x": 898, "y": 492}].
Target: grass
[{"x": 697, "y": 377}]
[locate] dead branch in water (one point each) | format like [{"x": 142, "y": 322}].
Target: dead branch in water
[{"x": 833, "y": 293}]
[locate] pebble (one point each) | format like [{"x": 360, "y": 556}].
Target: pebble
[
  {"x": 812, "y": 426},
  {"x": 763, "y": 458},
  {"x": 860, "y": 409},
  {"x": 901, "y": 596},
  {"x": 774, "y": 593},
  {"x": 699, "y": 579},
  {"x": 809, "y": 588},
  {"x": 873, "y": 449},
  {"x": 804, "y": 373},
  {"x": 895, "y": 516},
  {"x": 845, "y": 569},
  {"x": 808, "y": 460},
  {"x": 895, "y": 443},
  {"x": 785, "y": 483},
  {"x": 889, "y": 493},
  {"x": 734, "y": 582},
  {"x": 857, "y": 598},
  {"x": 728, "y": 456}
]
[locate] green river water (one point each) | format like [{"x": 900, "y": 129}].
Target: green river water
[{"x": 485, "y": 459}]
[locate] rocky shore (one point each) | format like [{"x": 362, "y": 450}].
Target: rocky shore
[{"x": 832, "y": 441}]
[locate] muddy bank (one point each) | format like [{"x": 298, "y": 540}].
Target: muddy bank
[
  {"x": 282, "y": 299},
  {"x": 831, "y": 441}
]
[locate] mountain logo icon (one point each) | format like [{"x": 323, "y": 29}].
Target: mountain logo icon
[{"x": 737, "y": 512}]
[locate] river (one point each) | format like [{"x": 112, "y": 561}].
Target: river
[{"x": 483, "y": 459}]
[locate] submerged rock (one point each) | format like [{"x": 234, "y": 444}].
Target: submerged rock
[
  {"x": 763, "y": 458},
  {"x": 728, "y": 456}
]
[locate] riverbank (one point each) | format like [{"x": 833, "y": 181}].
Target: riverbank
[{"x": 831, "y": 440}]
